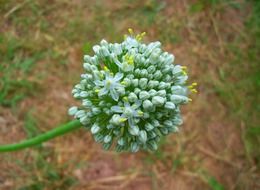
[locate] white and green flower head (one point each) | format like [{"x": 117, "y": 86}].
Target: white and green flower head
[{"x": 131, "y": 94}]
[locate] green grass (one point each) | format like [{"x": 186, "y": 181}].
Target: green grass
[
  {"x": 15, "y": 67},
  {"x": 41, "y": 35}
]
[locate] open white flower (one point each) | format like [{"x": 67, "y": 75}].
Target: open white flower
[
  {"x": 111, "y": 84},
  {"x": 129, "y": 112}
]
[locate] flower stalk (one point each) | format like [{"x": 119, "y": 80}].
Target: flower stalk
[{"x": 58, "y": 131}]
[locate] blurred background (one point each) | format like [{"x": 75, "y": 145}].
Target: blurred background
[{"x": 42, "y": 44}]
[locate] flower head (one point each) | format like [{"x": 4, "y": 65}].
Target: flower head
[{"x": 131, "y": 94}]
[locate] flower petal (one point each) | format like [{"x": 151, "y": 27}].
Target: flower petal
[
  {"x": 117, "y": 109},
  {"x": 102, "y": 92},
  {"x": 118, "y": 76},
  {"x": 114, "y": 94},
  {"x": 98, "y": 83}
]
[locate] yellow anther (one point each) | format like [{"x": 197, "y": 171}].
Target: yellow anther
[
  {"x": 97, "y": 90},
  {"x": 184, "y": 72},
  {"x": 121, "y": 120},
  {"x": 125, "y": 99},
  {"x": 123, "y": 83},
  {"x": 194, "y": 90},
  {"x": 108, "y": 82},
  {"x": 130, "y": 30},
  {"x": 140, "y": 112},
  {"x": 143, "y": 34},
  {"x": 194, "y": 84},
  {"x": 105, "y": 68},
  {"x": 190, "y": 100},
  {"x": 183, "y": 67}
]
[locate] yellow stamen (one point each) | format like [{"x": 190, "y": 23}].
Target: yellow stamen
[
  {"x": 121, "y": 120},
  {"x": 108, "y": 82},
  {"x": 184, "y": 72},
  {"x": 194, "y": 90},
  {"x": 130, "y": 30},
  {"x": 183, "y": 67},
  {"x": 125, "y": 99},
  {"x": 105, "y": 68},
  {"x": 194, "y": 84},
  {"x": 190, "y": 100},
  {"x": 123, "y": 83},
  {"x": 97, "y": 90},
  {"x": 140, "y": 112}
]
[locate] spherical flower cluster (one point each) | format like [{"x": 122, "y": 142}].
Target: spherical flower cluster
[{"x": 131, "y": 94}]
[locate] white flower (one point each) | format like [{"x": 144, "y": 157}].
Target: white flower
[
  {"x": 130, "y": 112},
  {"x": 131, "y": 93},
  {"x": 110, "y": 84}
]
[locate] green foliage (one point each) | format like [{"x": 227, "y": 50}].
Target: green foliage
[
  {"x": 214, "y": 184},
  {"x": 15, "y": 69}
]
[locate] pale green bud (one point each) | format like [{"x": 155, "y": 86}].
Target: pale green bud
[
  {"x": 169, "y": 105},
  {"x": 147, "y": 105},
  {"x": 83, "y": 94},
  {"x": 133, "y": 130},
  {"x": 94, "y": 129},
  {"x": 134, "y": 147},
  {"x": 143, "y": 83},
  {"x": 132, "y": 97},
  {"x": 161, "y": 93},
  {"x": 107, "y": 139},
  {"x": 143, "y": 136},
  {"x": 143, "y": 95},
  {"x": 73, "y": 110},
  {"x": 152, "y": 145},
  {"x": 158, "y": 101},
  {"x": 177, "y": 99},
  {"x": 135, "y": 82},
  {"x": 149, "y": 126}
]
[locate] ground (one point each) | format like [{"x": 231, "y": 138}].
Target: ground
[{"x": 41, "y": 49}]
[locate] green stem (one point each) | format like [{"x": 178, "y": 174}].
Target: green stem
[{"x": 58, "y": 131}]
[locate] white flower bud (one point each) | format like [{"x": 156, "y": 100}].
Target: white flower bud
[
  {"x": 83, "y": 94},
  {"x": 121, "y": 141},
  {"x": 87, "y": 67},
  {"x": 152, "y": 145},
  {"x": 135, "y": 82},
  {"x": 80, "y": 113},
  {"x": 134, "y": 147},
  {"x": 169, "y": 105},
  {"x": 86, "y": 103},
  {"x": 73, "y": 110},
  {"x": 147, "y": 105},
  {"x": 133, "y": 130},
  {"x": 178, "y": 99},
  {"x": 143, "y": 83},
  {"x": 96, "y": 49},
  {"x": 143, "y": 136},
  {"x": 143, "y": 95},
  {"x": 132, "y": 97},
  {"x": 149, "y": 126},
  {"x": 107, "y": 138},
  {"x": 137, "y": 90},
  {"x": 158, "y": 101},
  {"x": 151, "y": 69},
  {"x": 94, "y": 129},
  {"x": 161, "y": 93}
]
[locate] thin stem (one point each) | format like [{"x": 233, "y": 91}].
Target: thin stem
[{"x": 58, "y": 131}]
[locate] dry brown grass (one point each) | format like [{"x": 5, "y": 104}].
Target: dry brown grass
[{"x": 211, "y": 140}]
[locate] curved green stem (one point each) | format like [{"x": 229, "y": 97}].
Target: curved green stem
[{"x": 58, "y": 131}]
